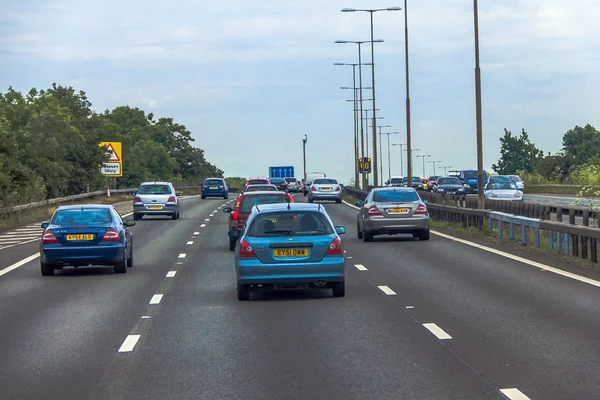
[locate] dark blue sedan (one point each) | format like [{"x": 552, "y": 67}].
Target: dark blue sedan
[{"x": 91, "y": 234}]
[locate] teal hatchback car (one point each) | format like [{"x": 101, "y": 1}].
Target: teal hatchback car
[{"x": 290, "y": 246}]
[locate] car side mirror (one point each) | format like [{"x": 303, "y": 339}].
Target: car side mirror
[
  {"x": 340, "y": 230},
  {"x": 45, "y": 225},
  {"x": 129, "y": 223},
  {"x": 134, "y": 194},
  {"x": 358, "y": 204},
  {"x": 425, "y": 202},
  {"x": 227, "y": 210}
]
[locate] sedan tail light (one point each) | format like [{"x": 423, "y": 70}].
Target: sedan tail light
[
  {"x": 137, "y": 200},
  {"x": 337, "y": 189},
  {"x": 313, "y": 189},
  {"x": 111, "y": 235},
  {"x": 49, "y": 237},
  {"x": 335, "y": 248},
  {"x": 373, "y": 211},
  {"x": 171, "y": 199},
  {"x": 421, "y": 210},
  {"x": 246, "y": 251}
]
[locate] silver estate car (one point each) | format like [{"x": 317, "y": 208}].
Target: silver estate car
[
  {"x": 390, "y": 211},
  {"x": 325, "y": 189},
  {"x": 156, "y": 198}
]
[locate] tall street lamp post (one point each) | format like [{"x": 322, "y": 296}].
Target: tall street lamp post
[
  {"x": 446, "y": 169},
  {"x": 371, "y": 12},
  {"x": 304, "y": 155},
  {"x": 423, "y": 157},
  {"x": 389, "y": 157},
  {"x": 409, "y": 161},
  {"x": 480, "y": 176},
  {"x": 433, "y": 162},
  {"x": 381, "y": 152},
  {"x": 362, "y": 138},
  {"x": 401, "y": 162}
]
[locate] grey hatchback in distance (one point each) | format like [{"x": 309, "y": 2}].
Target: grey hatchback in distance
[
  {"x": 390, "y": 211},
  {"x": 156, "y": 198}
]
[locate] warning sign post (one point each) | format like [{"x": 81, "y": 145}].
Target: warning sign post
[{"x": 114, "y": 165}]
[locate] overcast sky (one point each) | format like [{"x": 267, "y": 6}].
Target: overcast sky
[{"x": 249, "y": 79}]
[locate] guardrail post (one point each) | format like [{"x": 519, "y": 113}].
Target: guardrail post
[
  {"x": 523, "y": 235},
  {"x": 550, "y": 241},
  {"x": 559, "y": 214},
  {"x": 512, "y": 229},
  {"x": 586, "y": 217},
  {"x": 566, "y": 239},
  {"x": 571, "y": 216},
  {"x": 500, "y": 233},
  {"x": 575, "y": 245},
  {"x": 537, "y": 237},
  {"x": 584, "y": 252},
  {"x": 491, "y": 224},
  {"x": 547, "y": 213},
  {"x": 594, "y": 249},
  {"x": 559, "y": 242}
]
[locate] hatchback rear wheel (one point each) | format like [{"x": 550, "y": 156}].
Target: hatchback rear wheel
[
  {"x": 339, "y": 289},
  {"x": 47, "y": 269},
  {"x": 243, "y": 293},
  {"x": 121, "y": 267}
]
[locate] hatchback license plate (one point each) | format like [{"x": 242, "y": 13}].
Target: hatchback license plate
[
  {"x": 398, "y": 211},
  {"x": 87, "y": 236},
  {"x": 290, "y": 252},
  {"x": 213, "y": 188},
  {"x": 154, "y": 207}
]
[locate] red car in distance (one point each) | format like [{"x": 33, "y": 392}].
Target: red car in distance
[
  {"x": 431, "y": 182},
  {"x": 257, "y": 181}
]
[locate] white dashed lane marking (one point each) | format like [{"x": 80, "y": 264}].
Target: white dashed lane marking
[
  {"x": 361, "y": 267},
  {"x": 514, "y": 394},
  {"x": 202, "y": 226},
  {"x": 129, "y": 343},
  {"x": 207, "y": 219},
  {"x": 387, "y": 290},
  {"x": 437, "y": 331},
  {"x": 196, "y": 233},
  {"x": 156, "y": 299},
  {"x": 171, "y": 274},
  {"x": 189, "y": 243},
  {"x": 182, "y": 255}
]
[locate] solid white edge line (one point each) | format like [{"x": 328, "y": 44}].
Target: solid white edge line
[
  {"x": 190, "y": 242},
  {"x": 360, "y": 267},
  {"x": 19, "y": 264},
  {"x": 545, "y": 267},
  {"x": 182, "y": 255},
  {"x": 156, "y": 299},
  {"x": 437, "y": 331},
  {"x": 387, "y": 290},
  {"x": 129, "y": 343},
  {"x": 514, "y": 394},
  {"x": 171, "y": 274}
]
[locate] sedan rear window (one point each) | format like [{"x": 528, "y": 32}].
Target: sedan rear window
[
  {"x": 154, "y": 189},
  {"x": 82, "y": 217},
  {"x": 325, "y": 181},
  {"x": 261, "y": 188},
  {"x": 290, "y": 223},
  {"x": 257, "y": 199},
  {"x": 257, "y": 181},
  {"x": 395, "y": 196}
]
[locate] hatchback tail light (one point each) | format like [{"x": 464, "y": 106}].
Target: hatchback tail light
[
  {"x": 137, "y": 200},
  {"x": 290, "y": 198},
  {"x": 421, "y": 210},
  {"x": 373, "y": 210},
  {"x": 313, "y": 189},
  {"x": 235, "y": 215},
  {"x": 111, "y": 235},
  {"x": 49, "y": 237},
  {"x": 335, "y": 248},
  {"x": 220, "y": 187},
  {"x": 204, "y": 186},
  {"x": 337, "y": 189},
  {"x": 246, "y": 251},
  {"x": 171, "y": 199}
]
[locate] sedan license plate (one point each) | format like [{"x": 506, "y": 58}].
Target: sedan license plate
[
  {"x": 86, "y": 236},
  {"x": 154, "y": 207},
  {"x": 398, "y": 211},
  {"x": 290, "y": 252},
  {"x": 326, "y": 189}
]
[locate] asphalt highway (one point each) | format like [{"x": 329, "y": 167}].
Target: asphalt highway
[{"x": 421, "y": 320}]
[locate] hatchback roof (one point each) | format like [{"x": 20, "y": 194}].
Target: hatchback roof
[
  {"x": 394, "y": 188},
  {"x": 85, "y": 207},
  {"x": 155, "y": 183},
  {"x": 292, "y": 207}
]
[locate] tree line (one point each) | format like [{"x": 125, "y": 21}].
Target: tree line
[
  {"x": 49, "y": 146},
  {"x": 577, "y": 163}
]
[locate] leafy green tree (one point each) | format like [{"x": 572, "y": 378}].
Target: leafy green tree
[
  {"x": 517, "y": 153},
  {"x": 581, "y": 144},
  {"x": 554, "y": 168}
]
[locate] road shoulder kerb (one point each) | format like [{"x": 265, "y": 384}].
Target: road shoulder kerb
[{"x": 513, "y": 257}]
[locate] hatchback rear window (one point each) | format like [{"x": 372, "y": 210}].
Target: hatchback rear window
[
  {"x": 154, "y": 189},
  {"x": 213, "y": 182},
  {"x": 82, "y": 217},
  {"x": 260, "y": 188},
  {"x": 395, "y": 196},
  {"x": 250, "y": 201},
  {"x": 257, "y": 181},
  {"x": 325, "y": 181},
  {"x": 290, "y": 223}
]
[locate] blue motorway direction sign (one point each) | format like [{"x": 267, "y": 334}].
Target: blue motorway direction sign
[{"x": 281, "y": 172}]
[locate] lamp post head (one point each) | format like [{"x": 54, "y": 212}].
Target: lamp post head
[
  {"x": 348, "y": 9},
  {"x": 394, "y": 9}
]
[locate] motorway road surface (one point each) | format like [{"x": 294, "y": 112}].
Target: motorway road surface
[{"x": 420, "y": 320}]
